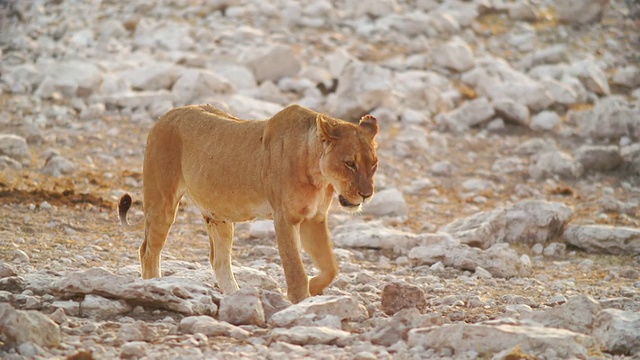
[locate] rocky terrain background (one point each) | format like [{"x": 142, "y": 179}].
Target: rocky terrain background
[{"x": 505, "y": 224}]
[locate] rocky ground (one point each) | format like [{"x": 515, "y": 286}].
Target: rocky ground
[{"x": 505, "y": 223}]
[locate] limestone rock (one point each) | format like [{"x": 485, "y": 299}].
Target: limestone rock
[
  {"x": 536, "y": 221},
  {"x": 455, "y": 55},
  {"x": 15, "y": 147},
  {"x": 599, "y": 158},
  {"x": 210, "y": 327},
  {"x": 492, "y": 339},
  {"x": 618, "y": 331},
  {"x": 577, "y": 314},
  {"x": 397, "y": 328},
  {"x": 388, "y": 202},
  {"x": 323, "y": 310},
  {"x": 196, "y": 84},
  {"x": 98, "y": 307},
  {"x": 309, "y": 335},
  {"x": 604, "y": 239},
  {"x": 178, "y": 295},
  {"x": 511, "y": 111},
  {"x": 273, "y": 62},
  {"x": 397, "y": 296},
  {"x": 471, "y": 113},
  {"x": 242, "y": 307},
  {"x": 372, "y": 235},
  {"x": 20, "y": 327},
  {"x": 579, "y": 11},
  {"x": 555, "y": 163},
  {"x": 361, "y": 88}
]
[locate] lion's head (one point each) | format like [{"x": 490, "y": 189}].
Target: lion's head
[{"x": 349, "y": 158}]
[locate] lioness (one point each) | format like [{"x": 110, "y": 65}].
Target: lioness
[{"x": 286, "y": 168}]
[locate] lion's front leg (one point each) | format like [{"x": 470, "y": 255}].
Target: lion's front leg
[
  {"x": 314, "y": 236},
  {"x": 288, "y": 234}
]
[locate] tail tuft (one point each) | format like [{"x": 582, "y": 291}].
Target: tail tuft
[{"x": 123, "y": 208}]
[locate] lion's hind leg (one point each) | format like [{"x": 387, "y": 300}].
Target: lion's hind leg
[
  {"x": 158, "y": 221},
  {"x": 220, "y": 244}
]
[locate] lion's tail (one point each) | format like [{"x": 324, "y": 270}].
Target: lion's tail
[{"x": 123, "y": 207}]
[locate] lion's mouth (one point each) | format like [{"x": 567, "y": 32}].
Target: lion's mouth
[{"x": 345, "y": 203}]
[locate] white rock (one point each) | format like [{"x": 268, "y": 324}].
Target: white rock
[
  {"x": 137, "y": 331},
  {"x": 536, "y": 221},
  {"x": 240, "y": 77},
  {"x": 361, "y": 88},
  {"x": 372, "y": 235},
  {"x": 618, "y": 331},
  {"x": 631, "y": 156},
  {"x": 591, "y": 76},
  {"x": 491, "y": 339},
  {"x": 315, "y": 310},
  {"x": 19, "y": 327},
  {"x": 68, "y": 307},
  {"x": 604, "y": 239},
  {"x": 511, "y": 111},
  {"x": 309, "y": 335},
  {"x": 471, "y": 113},
  {"x": 242, "y": 307},
  {"x": 70, "y": 78},
  {"x": 210, "y": 327},
  {"x": 15, "y": 147},
  {"x": 577, "y": 314},
  {"x": 388, "y": 202},
  {"x": 167, "y": 35},
  {"x": 195, "y": 84},
  {"x": 134, "y": 349},
  {"x": 580, "y": 11},
  {"x": 545, "y": 121},
  {"x": 611, "y": 118},
  {"x": 434, "y": 248},
  {"x": 58, "y": 166},
  {"x": 98, "y": 307},
  {"x": 561, "y": 92},
  {"x": 599, "y": 158},
  {"x": 555, "y": 163},
  {"x": 628, "y": 76},
  {"x": 373, "y": 8},
  {"x": 156, "y": 76},
  {"x": 181, "y": 295},
  {"x": 262, "y": 229},
  {"x": 9, "y": 163},
  {"x": 272, "y": 62},
  {"x": 530, "y": 93},
  {"x": 455, "y": 54},
  {"x": 247, "y": 276},
  {"x": 481, "y": 230},
  {"x": 20, "y": 256}
]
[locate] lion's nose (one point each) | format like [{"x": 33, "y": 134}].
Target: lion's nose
[{"x": 365, "y": 196}]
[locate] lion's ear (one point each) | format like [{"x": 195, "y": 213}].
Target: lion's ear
[
  {"x": 370, "y": 125},
  {"x": 326, "y": 129}
]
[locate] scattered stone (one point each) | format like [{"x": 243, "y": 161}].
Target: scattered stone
[
  {"x": 6, "y": 270},
  {"x": 603, "y": 239},
  {"x": 137, "y": 331},
  {"x": 471, "y": 113},
  {"x": 98, "y": 307},
  {"x": 320, "y": 311},
  {"x": 372, "y": 235},
  {"x": 396, "y": 329},
  {"x": 15, "y": 147},
  {"x": 599, "y": 158},
  {"x": 19, "y": 327},
  {"x": 555, "y": 163},
  {"x": 628, "y": 76},
  {"x": 455, "y": 55},
  {"x": 577, "y": 314},
  {"x": 58, "y": 166},
  {"x": 388, "y": 202},
  {"x": 580, "y": 12},
  {"x": 262, "y": 229},
  {"x": 511, "y": 111},
  {"x": 210, "y": 327},
  {"x": 134, "y": 349},
  {"x": 308, "y": 335},
  {"x": 397, "y": 296},
  {"x": 272, "y": 62},
  {"x": 536, "y": 221},
  {"x": 179, "y": 295},
  {"x": 530, "y": 341},
  {"x": 242, "y": 307},
  {"x": 611, "y": 118},
  {"x": 545, "y": 121},
  {"x": 618, "y": 331}
]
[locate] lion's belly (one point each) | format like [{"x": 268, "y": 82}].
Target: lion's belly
[{"x": 232, "y": 208}]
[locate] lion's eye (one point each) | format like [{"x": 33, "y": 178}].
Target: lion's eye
[{"x": 351, "y": 165}]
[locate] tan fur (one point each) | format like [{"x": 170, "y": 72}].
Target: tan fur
[{"x": 286, "y": 168}]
